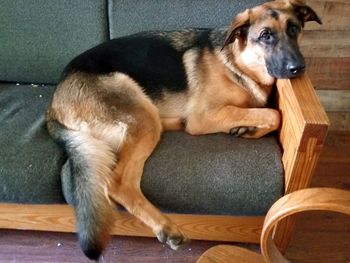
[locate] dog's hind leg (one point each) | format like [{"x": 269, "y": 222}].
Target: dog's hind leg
[
  {"x": 125, "y": 187},
  {"x": 126, "y": 191}
]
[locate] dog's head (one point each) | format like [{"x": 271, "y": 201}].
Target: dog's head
[{"x": 266, "y": 38}]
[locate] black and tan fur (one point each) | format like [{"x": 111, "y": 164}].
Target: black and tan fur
[{"x": 114, "y": 101}]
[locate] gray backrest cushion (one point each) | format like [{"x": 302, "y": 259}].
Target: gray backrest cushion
[
  {"x": 131, "y": 16},
  {"x": 39, "y": 37}
]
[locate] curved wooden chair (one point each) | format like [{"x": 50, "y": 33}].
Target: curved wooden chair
[{"x": 327, "y": 199}]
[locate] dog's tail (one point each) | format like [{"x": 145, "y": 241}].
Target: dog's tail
[{"x": 86, "y": 174}]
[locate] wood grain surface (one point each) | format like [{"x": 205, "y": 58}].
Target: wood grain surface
[
  {"x": 329, "y": 73},
  {"x": 201, "y": 227},
  {"x": 334, "y": 14},
  {"x": 302, "y": 135},
  {"x": 326, "y": 48},
  {"x": 230, "y": 254}
]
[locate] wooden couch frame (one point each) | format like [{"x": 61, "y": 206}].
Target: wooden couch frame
[{"x": 302, "y": 134}]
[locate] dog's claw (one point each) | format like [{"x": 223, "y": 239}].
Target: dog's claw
[
  {"x": 241, "y": 130},
  {"x": 172, "y": 237}
]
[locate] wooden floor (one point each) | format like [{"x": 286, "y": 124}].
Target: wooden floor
[{"x": 319, "y": 237}]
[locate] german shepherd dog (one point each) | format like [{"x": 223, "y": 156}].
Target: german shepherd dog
[{"x": 114, "y": 101}]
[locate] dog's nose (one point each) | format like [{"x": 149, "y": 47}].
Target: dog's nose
[{"x": 295, "y": 68}]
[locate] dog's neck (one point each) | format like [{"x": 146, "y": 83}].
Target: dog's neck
[{"x": 258, "y": 90}]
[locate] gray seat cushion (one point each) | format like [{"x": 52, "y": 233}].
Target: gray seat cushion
[
  {"x": 39, "y": 37},
  {"x": 211, "y": 174},
  {"x": 214, "y": 174},
  {"x": 29, "y": 160}
]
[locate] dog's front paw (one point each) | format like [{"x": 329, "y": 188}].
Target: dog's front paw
[
  {"x": 172, "y": 236},
  {"x": 241, "y": 130}
]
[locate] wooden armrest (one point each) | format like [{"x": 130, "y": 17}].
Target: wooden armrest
[
  {"x": 327, "y": 199},
  {"x": 302, "y": 134},
  {"x": 303, "y": 130}
]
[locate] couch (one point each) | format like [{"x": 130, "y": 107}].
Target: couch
[{"x": 215, "y": 186}]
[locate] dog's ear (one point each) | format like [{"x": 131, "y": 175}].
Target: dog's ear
[
  {"x": 304, "y": 12},
  {"x": 238, "y": 28}
]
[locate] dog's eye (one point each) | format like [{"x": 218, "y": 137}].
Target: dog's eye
[{"x": 266, "y": 36}]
